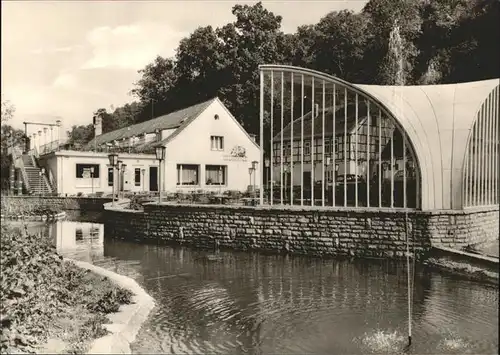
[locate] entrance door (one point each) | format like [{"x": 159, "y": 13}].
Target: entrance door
[{"x": 153, "y": 178}]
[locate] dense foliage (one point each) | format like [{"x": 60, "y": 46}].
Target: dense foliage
[
  {"x": 9, "y": 136},
  {"x": 444, "y": 41},
  {"x": 38, "y": 292}
]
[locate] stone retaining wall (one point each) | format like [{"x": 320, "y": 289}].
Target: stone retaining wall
[
  {"x": 308, "y": 230},
  {"x": 25, "y": 204},
  {"x": 462, "y": 228}
]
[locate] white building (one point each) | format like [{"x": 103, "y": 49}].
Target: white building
[{"x": 206, "y": 149}]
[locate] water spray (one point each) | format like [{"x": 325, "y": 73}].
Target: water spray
[
  {"x": 396, "y": 47},
  {"x": 408, "y": 277}
]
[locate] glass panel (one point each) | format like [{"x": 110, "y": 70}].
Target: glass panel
[
  {"x": 480, "y": 179},
  {"x": 327, "y": 152}
]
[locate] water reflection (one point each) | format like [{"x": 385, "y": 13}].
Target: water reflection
[
  {"x": 263, "y": 304},
  {"x": 250, "y": 303},
  {"x": 83, "y": 241}
]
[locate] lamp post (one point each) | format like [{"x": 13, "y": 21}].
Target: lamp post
[
  {"x": 92, "y": 178},
  {"x": 119, "y": 175},
  {"x": 113, "y": 161},
  {"x": 254, "y": 168},
  {"x": 124, "y": 170},
  {"x": 220, "y": 180},
  {"x": 160, "y": 155},
  {"x": 143, "y": 171},
  {"x": 266, "y": 165},
  {"x": 250, "y": 171},
  {"x": 327, "y": 163}
]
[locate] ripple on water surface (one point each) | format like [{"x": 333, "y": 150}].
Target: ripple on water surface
[
  {"x": 258, "y": 304},
  {"x": 269, "y": 304}
]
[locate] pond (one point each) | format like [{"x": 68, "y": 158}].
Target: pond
[{"x": 263, "y": 304}]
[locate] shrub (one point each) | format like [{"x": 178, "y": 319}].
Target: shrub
[
  {"x": 37, "y": 289},
  {"x": 110, "y": 302}
]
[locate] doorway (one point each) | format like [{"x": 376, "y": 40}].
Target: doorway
[{"x": 153, "y": 178}]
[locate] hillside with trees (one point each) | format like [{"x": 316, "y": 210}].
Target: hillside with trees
[{"x": 444, "y": 42}]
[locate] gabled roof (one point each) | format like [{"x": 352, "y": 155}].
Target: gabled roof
[
  {"x": 154, "y": 144},
  {"x": 174, "y": 120},
  {"x": 318, "y": 122}
]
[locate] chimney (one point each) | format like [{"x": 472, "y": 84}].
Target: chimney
[
  {"x": 253, "y": 136},
  {"x": 97, "y": 125}
]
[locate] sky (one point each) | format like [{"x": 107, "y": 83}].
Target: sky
[{"x": 65, "y": 59}]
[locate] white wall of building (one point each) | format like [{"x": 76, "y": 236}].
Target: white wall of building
[
  {"x": 193, "y": 146},
  {"x": 62, "y": 165}
]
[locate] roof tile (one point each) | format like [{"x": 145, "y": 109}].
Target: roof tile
[{"x": 177, "y": 119}]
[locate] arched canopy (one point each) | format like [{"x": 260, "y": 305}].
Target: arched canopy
[{"x": 437, "y": 120}]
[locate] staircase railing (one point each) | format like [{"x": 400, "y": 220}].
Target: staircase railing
[
  {"x": 33, "y": 152},
  {"x": 53, "y": 182},
  {"x": 47, "y": 183},
  {"x": 49, "y": 147},
  {"x": 33, "y": 160}
]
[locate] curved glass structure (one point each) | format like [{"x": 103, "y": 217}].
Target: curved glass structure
[{"x": 327, "y": 142}]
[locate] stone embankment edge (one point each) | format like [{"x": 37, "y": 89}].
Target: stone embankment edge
[
  {"x": 125, "y": 324},
  {"x": 29, "y": 218}
]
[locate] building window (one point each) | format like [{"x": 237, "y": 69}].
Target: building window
[
  {"x": 110, "y": 176},
  {"x": 215, "y": 174},
  {"x": 328, "y": 146},
  {"x": 216, "y": 117},
  {"x": 137, "y": 176},
  {"x": 187, "y": 174},
  {"x": 87, "y": 171},
  {"x": 307, "y": 148},
  {"x": 217, "y": 143}
]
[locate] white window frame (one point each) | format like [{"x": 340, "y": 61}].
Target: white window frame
[
  {"x": 179, "y": 169},
  {"x": 217, "y": 143}
]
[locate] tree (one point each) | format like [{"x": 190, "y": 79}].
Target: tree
[
  {"x": 79, "y": 136},
  {"x": 253, "y": 39},
  {"x": 9, "y": 136},
  {"x": 381, "y": 15},
  {"x": 338, "y": 43},
  {"x": 440, "y": 21},
  {"x": 158, "y": 78},
  {"x": 441, "y": 41},
  {"x": 476, "y": 53},
  {"x": 8, "y": 110}
]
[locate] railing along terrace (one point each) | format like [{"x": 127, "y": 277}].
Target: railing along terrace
[
  {"x": 48, "y": 148},
  {"x": 112, "y": 149},
  {"x": 327, "y": 143},
  {"x": 480, "y": 177}
]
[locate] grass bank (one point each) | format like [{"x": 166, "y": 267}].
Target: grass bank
[{"x": 46, "y": 304}]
